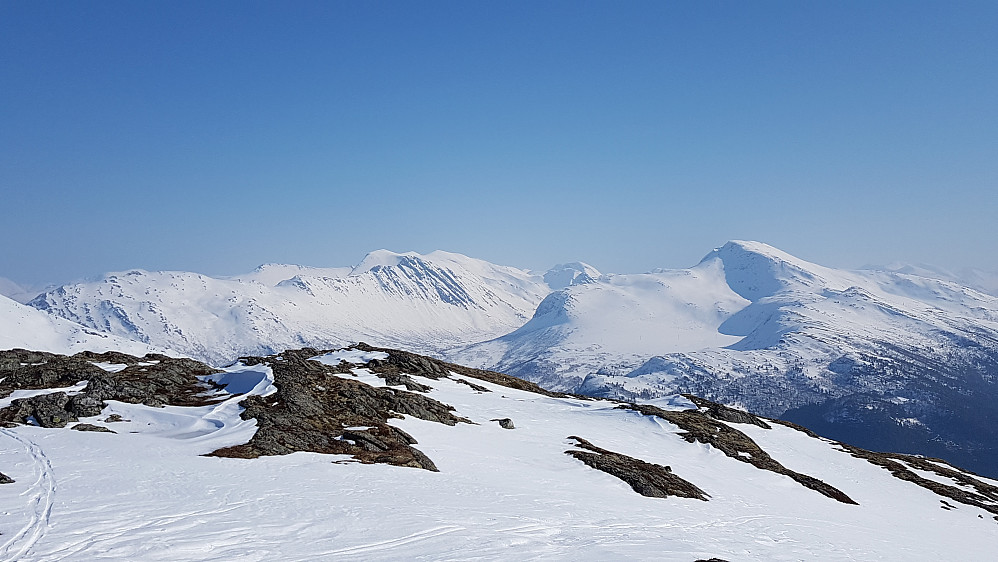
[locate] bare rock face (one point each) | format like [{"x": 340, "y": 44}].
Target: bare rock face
[
  {"x": 651, "y": 480},
  {"x": 4, "y": 479},
  {"x": 699, "y": 427},
  {"x": 319, "y": 408}
]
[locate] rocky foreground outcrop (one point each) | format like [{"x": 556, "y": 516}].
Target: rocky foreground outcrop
[
  {"x": 327, "y": 408},
  {"x": 318, "y": 408},
  {"x": 647, "y": 479},
  {"x": 700, "y": 426},
  {"x": 154, "y": 380}
]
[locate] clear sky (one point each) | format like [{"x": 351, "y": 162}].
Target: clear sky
[{"x": 215, "y": 136}]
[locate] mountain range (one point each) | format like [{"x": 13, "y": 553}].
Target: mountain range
[{"x": 885, "y": 359}]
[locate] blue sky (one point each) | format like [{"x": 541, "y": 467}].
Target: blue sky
[{"x": 217, "y": 136}]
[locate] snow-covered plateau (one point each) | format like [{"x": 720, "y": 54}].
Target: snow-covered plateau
[{"x": 365, "y": 453}]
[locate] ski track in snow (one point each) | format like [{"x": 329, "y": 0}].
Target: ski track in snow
[
  {"x": 106, "y": 540},
  {"x": 42, "y": 493},
  {"x": 380, "y": 546}
]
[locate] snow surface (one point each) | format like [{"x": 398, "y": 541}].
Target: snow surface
[{"x": 146, "y": 494}]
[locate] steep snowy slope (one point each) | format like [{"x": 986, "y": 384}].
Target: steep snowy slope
[
  {"x": 27, "y": 328},
  {"x": 572, "y": 479},
  {"x": 879, "y": 358},
  {"x": 427, "y": 302}
]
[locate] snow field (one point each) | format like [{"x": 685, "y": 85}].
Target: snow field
[{"x": 500, "y": 493}]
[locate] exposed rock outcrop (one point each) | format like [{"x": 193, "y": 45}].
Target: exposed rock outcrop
[
  {"x": 153, "y": 380},
  {"x": 973, "y": 491},
  {"x": 319, "y": 408},
  {"x": 726, "y": 413},
  {"x": 91, "y": 427},
  {"x": 504, "y": 423},
  {"x": 647, "y": 479},
  {"x": 699, "y": 427}
]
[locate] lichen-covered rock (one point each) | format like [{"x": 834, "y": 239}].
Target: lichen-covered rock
[{"x": 418, "y": 365}]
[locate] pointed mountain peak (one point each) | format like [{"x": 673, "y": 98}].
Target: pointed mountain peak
[{"x": 756, "y": 270}]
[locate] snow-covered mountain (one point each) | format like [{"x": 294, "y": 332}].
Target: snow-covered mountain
[
  {"x": 886, "y": 359},
  {"x": 891, "y": 360},
  {"x": 400, "y": 457},
  {"x": 28, "y": 328},
  {"x": 429, "y": 302}
]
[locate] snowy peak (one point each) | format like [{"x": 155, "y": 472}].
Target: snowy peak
[
  {"x": 384, "y": 258},
  {"x": 427, "y": 302},
  {"x": 755, "y": 270},
  {"x": 567, "y": 274},
  {"x": 272, "y": 274}
]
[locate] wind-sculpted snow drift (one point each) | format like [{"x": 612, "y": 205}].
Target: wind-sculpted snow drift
[{"x": 683, "y": 480}]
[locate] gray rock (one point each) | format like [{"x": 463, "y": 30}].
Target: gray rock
[
  {"x": 316, "y": 403},
  {"x": 504, "y": 423},
  {"x": 91, "y": 427},
  {"x": 47, "y": 410},
  {"x": 645, "y": 478}
]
